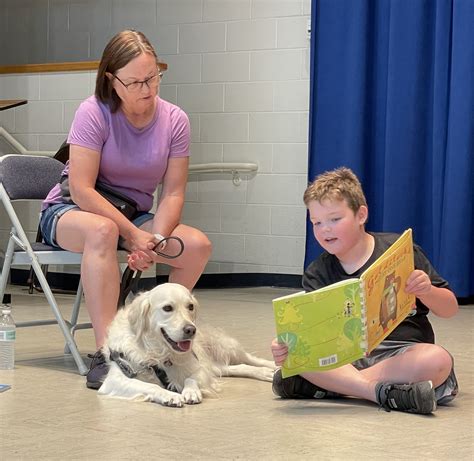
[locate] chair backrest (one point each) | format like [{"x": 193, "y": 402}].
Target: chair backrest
[
  {"x": 29, "y": 177},
  {"x": 63, "y": 152}
]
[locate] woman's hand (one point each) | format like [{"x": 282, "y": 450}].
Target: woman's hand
[
  {"x": 279, "y": 352},
  {"x": 141, "y": 245},
  {"x": 141, "y": 240},
  {"x": 139, "y": 261}
]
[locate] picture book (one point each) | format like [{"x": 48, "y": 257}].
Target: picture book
[{"x": 343, "y": 322}]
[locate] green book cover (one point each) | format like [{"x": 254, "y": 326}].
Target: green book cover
[
  {"x": 342, "y": 322},
  {"x": 323, "y": 329}
]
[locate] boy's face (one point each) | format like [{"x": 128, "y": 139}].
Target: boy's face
[{"x": 336, "y": 227}]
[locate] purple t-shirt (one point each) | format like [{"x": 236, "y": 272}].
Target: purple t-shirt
[{"x": 132, "y": 160}]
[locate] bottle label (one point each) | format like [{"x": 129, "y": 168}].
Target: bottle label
[{"x": 7, "y": 335}]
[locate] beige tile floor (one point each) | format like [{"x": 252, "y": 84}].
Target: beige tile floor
[{"x": 50, "y": 415}]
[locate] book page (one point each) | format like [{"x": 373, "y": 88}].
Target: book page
[
  {"x": 323, "y": 328},
  {"x": 386, "y": 303}
]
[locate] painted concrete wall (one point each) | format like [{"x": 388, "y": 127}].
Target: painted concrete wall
[{"x": 240, "y": 69}]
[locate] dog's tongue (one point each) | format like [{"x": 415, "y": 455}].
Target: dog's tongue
[{"x": 184, "y": 345}]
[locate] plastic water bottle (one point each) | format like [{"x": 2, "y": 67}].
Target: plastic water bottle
[{"x": 7, "y": 335}]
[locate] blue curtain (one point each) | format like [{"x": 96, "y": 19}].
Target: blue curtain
[{"x": 392, "y": 97}]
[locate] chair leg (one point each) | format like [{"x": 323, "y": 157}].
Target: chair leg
[
  {"x": 6, "y": 267},
  {"x": 77, "y": 304},
  {"x": 71, "y": 344},
  {"x": 75, "y": 313}
]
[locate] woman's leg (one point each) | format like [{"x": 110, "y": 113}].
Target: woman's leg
[
  {"x": 96, "y": 237},
  {"x": 187, "y": 268}
]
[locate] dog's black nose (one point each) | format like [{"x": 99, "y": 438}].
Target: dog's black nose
[{"x": 189, "y": 331}]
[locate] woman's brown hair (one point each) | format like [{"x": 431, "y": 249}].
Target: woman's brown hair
[{"x": 120, "y": 50}]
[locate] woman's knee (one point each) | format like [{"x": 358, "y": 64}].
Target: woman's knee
[
  {"x": 197, "y": 244},
  {"x": 103, "y": 233},
  {"x": 205, "y": 246}
]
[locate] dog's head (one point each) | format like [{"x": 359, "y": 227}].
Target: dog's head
[{"x": 168, "y": 310}]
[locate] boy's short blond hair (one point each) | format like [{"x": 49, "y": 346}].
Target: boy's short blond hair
[{"x": 339, "y": 184}]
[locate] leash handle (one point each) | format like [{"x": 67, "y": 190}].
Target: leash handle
[
  {"x": 165, "y": 240},
  {"x": 130, "y": 277}
]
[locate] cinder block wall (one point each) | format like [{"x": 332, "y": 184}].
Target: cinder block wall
[{"x": 239, "y": 68}]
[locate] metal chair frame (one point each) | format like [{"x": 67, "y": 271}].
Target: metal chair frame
[{"x": 45, "y": 172}]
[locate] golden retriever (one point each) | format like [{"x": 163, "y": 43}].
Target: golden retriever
[{"x": 156, "y": 353}]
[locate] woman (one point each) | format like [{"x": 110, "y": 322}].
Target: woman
[{"x": 127, "y": 137}]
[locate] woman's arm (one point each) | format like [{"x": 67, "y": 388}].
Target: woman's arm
[
  {"x": 168, "y": 213},
  {"x": 83, "y": 171}
]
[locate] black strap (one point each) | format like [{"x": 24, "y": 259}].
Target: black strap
[
  {"x": 130, "y": 277},
  {"x": 120, "y": 359},
  {"x": 161, "y": 375},
  {"x": 32, "y": 276}
]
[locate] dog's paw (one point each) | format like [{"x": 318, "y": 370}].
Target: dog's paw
[
  {"x": 191, "y": 396},
  {"x": 266, "y": 374},
  {"x": 170, "y": 399}
]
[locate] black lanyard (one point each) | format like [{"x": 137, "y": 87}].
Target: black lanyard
[{"x": 130, "y": 277}]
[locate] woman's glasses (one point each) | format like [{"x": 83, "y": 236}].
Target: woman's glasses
[{"x": 135, "y": 87}]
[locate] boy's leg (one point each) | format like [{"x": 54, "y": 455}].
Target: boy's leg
[
  {"x": 418, "y": 362},
  {"x": 412, "y": 398},
  {"x": 415, "y": 363},
  {"x": 406, "y": 363},
  {"x": 418, "y": 397},
  {"x": 296, "y": 387}
]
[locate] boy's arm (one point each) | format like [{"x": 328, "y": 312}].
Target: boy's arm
[{"x": 441, "y": 301}]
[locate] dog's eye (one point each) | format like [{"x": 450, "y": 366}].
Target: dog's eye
[
  {"x": 191, "y": 307},
  {"x": 168, "y": 308}
]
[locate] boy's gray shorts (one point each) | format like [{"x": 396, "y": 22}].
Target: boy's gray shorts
[{"x": 445, "y": 392}]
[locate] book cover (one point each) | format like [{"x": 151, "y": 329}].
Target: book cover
[
  {"x": 386, "y": 303},
  {"x": 340, "y": 323}
]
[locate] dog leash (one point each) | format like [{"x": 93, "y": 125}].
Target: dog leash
[{"x": 130, "y": 277}]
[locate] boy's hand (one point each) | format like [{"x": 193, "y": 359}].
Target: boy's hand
[
  {"x": 279, "y": 352},
  {"x": 418, "y": 283}
]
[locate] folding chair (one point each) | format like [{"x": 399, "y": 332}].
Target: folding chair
[{"x": 27, "y": 177}]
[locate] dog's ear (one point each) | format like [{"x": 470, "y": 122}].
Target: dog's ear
[
  {"x": 139, "y": 317},
  {"x": 195, "y": 304}
]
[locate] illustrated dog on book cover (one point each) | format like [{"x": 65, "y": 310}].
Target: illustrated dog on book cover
[{"x": 156, "y": 351}]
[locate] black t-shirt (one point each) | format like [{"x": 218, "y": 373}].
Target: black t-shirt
[{"x": 327, "y": 269}]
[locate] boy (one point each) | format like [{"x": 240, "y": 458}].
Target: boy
[{"x": 407, "y": 371}]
